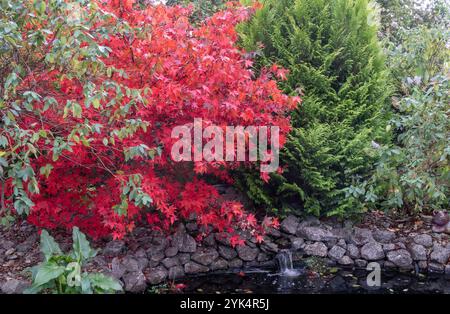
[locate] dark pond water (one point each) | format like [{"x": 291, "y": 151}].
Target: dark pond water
[{"x": 342, "y": 281}]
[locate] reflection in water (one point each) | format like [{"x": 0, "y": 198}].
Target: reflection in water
[{"x": 257, "y": 281}]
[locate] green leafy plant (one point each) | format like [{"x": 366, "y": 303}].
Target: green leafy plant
[
  {"x": 396, "y": 16},
  {"x": 62, "y": 273},
  {"x": 413, "y": 173}
]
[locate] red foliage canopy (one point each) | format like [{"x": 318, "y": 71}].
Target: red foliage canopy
[{"x": 116, "y": 167}]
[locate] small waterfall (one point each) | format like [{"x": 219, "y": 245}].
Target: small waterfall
[{"x": 284, "y": 259}]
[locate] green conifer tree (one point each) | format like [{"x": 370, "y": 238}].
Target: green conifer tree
[{"x": 336, "y": 63}]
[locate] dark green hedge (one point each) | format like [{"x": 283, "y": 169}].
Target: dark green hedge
[{"x": 336, "y": 63}]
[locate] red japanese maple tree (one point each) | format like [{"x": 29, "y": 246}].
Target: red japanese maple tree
[{"x": 103, "y": 154}]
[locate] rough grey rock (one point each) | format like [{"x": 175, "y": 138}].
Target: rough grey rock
[
  {"x": 160, "y": 243},
  {"x": 176, "y": 272},
  {"x": 360, "y": 263},
  {"x": 142, "y": 262},
  {"x": 171, "y": 251},
  {"x": 275, "y": 233},
  {"x": 184, "y": 258},
  {"x": 289, "y": 224},
  {"x": 191, "y": 226},
  {"x": 372, "y": 251},
  {"x": 117, "y": 268},
  {"x": 157, "y": 275},
  {"x": 14, "y": 286},
  {"x": 316, "y": 249},
  {"x": 169, "y": 262},
  {"x": 436, "y": 268},
  {"x": 269, "y": 246},
  {"x": 189, "y": 245},
  {"x": 400, "y": 258},
  {"x": 183, "y": 241},
  {"x": 223, "y": 238},
  {"x": 135, "y": 282},
  {"x": 331, "y": 243},
  {"x": 131, "y": 264},
  {"x": 341, "y": 233},
  {"x": 424, "y": 239},
  {"x": 6, "y": 244},
  {"x": 315, "y": 234},
  {"x": 297, "y": 243},
  {"x": 389, "y": 247},
  {"x": 383, "y": 236},
  {"x": 336, "y": 252},
  {"x": 205, "y": 256},
  {"x": 247, "y": 253},
  {"x": 155, "y": 257},
  {"x": 342, "y": 243},
  {"x": 227, "y": 252},
  {"x": 219, "y": 264},
  {"x": 209, "y": 240},
  {"x": 418, "y": 252},
  {"x": 309, "y": 221},
  {"x": 423, "y": 265},
  {"x": 194, "y": 268},
  {"x": 389, "y": 265},
  {"x": 262, "y": 257},
  {"x": 353, "y": 251},
  {"x": 440, "y": 254},
  {"x": 346, "y": 261},
  {"x": 114, "y": 248},
  {"x": 447, "y": 269},
  {"x": 140, "y": 253},
  {"x": 235, "y": 263},
  {"x": 361, "y": 236}
]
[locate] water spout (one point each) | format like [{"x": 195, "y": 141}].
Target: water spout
[{"x": 284, "y": 259}]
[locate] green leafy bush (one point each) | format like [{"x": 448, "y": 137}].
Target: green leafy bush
[
  {"x": 337, "y": 65},
  {"x": 412, "y": 175},
  {"x": 399, "y": 15},
  {"x": 61, "y": 273}
]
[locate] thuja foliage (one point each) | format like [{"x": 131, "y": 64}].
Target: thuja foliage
[
  {"x": 335, "y": 62},
  {"x": 63, "y": 273},
  {"x": 90, "y": 93}
]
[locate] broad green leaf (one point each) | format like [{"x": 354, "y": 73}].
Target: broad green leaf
[
  {"x": 45, "y": 170},
  {"x": 86, "y": 284},
  {"x": 81, "y": 247},
  {"x": 49, "y": 247},
  {"x": 33, "y": 289},
  {"x": 47, "y": 272},
  {"x": 103, "y": 282}
]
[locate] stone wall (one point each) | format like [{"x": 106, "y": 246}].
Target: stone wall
[
  {"x": 149, "y": 258},
  {"x": 157, "y": 259}
]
